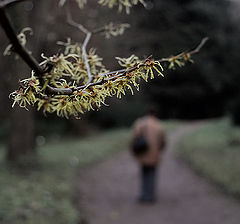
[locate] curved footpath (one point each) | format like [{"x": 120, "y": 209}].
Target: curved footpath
[{"x": 108, "y": 191}]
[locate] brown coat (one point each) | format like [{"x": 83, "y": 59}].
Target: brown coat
[{"x": 154, "y": 134}]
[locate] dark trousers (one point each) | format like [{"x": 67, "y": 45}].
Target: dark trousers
[{"x": 148, "y": 179}]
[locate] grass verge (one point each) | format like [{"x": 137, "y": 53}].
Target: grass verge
[
  {"x": 214, "y": 152},
  {"x": 44, "y": 195}
]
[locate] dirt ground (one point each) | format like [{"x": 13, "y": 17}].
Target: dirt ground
[{"x": 108, "y": 192}]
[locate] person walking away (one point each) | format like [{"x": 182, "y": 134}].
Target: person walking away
[{"x": 147, "y": 144}]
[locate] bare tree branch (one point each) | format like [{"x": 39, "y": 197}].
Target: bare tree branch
[
  {"x": 90, "y": 77},
  {"x": 194, "y": 51},
  {"x": 99, "y": 30},
  {"x": 74, "y": 24},
  {"x": 69, "y": 91},
  {"x": 85, "y": 43},
  {"x": 18, "y": 48},
  {"x": 113, "y": 72},
  {"x": 7, "y": 3},
  {"x": 198, "y": 48},
  {"x": 57, "y": 91},
  {"x": 118, "y": 73}
]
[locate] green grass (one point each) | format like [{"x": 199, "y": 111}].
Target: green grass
[
  {"x": 45, "y": 194},
  {"x": 214, "y": 151}
]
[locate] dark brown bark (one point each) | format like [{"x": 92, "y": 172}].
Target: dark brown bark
[
  {"x": 22, "y": 127},
  {"x": 18, "y": 48},
  {"x": 22, "y": 135},
  {"x": 21, "y": 146}
]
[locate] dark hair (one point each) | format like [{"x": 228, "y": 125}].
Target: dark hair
[{"x": 152, "y": 110}]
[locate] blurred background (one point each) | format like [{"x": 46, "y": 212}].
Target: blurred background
[{"x": 207, "y": 88}]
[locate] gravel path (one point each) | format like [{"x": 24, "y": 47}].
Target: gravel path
[{"x": 108, "y": 192}]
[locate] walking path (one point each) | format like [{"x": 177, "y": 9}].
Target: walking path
[{"x": 108, "y": 192}]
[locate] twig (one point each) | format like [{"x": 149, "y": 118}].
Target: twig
[
  {"x": 77, "y": 25},
  {"x": 90, "y": 77},
  {"x": 7, "y": 3},
  {"x": 194, "y": 51},
  {"x": 118, "y": 73},
  {"x": 113, "y": 72},
  {"x": 56, "y": 91},
  {"x": 99, "y": 30},
  {"x": 198, "y": 48},
  {"x": 69, "y": 91},
  {"x": 85, "y": 43}
]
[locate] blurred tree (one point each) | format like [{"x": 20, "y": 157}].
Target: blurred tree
[
  {"x": 205, "y": 88},
  {"x": 21, "y": 145}
]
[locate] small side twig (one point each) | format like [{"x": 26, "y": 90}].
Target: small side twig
[
  {"x": 8, "y": 3},
  {"x": 198, "y": 48},
  {"x": 99, "y": 30},
  {"x": 85, "y": 43},
  {"x": 194, "y": 51},
  {"x": 90, "y": 77}
]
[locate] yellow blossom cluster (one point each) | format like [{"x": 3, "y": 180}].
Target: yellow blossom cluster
[
  {"x": 128, "y": 62},
  {"x": 178, "y": 60},
  {"x": 68, "y": 78},
  {"x": 115, "y": 29},
  {"x": 79, "y": 71}
]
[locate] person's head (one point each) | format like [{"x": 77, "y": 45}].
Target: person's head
[{"x": 152, "y": 111}]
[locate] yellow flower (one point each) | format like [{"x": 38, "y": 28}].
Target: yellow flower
[
  {"x": 115, "y": 29},
  {"x": 129, "y": 62}
]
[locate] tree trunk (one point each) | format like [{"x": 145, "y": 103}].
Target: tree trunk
[
  {"x": 21, "y": 141},
  {"x": 21, "y": 145}
]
